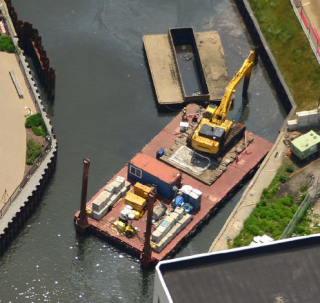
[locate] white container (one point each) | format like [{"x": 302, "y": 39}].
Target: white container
[
  {"x": 186, "y": 190},
  {"x": 129, "y": 207},
  {"x": 184, "y": 126},
  {"x": 131, "y": 216}
]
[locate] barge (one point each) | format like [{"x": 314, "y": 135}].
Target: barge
[
  {"x": 167, "y": 195},
  {"x": 186, "y": 67}
]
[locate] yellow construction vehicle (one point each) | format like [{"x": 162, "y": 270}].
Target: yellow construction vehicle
[{"x": 214, "y": 132}]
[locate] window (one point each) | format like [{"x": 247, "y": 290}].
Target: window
[{"x": 136, "y": 171}]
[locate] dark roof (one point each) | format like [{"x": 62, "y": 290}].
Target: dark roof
[
  {"x": 155, "y": 167},
  {"x": 284, "y": 271}
]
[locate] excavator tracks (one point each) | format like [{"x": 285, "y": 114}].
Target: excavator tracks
[{"x": 236, "y": 133}]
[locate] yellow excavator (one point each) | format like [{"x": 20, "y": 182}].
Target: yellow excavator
[{"x": 215, "y": 133}]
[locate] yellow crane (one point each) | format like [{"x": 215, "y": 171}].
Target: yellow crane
[{"x": 214, "y": 131}]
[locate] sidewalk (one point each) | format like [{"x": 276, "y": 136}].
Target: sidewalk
[
  {"x": 251, "y": 196},
  {"x": 12, "y": 129},
  {"x": 312, "y": 8}
]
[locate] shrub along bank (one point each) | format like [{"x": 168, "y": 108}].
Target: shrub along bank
[
  {"x": 38, "y": 127},
  {"x": 6, "y": 44},
  {"x": 291, "y": 50}
]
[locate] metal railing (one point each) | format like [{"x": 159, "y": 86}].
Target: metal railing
[
  {"x": 311, "y": 32},
  {"x": 25, "y": 180},
  {"x": 311, "y": 198}
]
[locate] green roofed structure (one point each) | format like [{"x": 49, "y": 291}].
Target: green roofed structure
[{"x": 306, "y": 145}]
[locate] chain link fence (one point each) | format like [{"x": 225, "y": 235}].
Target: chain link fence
[
  {"x": 311, "y": 32},
  {"x": 310, "y": 199}
]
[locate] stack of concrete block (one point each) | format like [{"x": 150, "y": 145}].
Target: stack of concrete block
[
  {"x": 304, "y": 118},
  {"x": 180, "y": 225},
  {"x": 107, "y": 198},
  {"x": 163, "y": 229}
]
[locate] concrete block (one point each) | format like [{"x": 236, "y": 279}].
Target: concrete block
[
  {"x": 110, "y": 188},
  {"x": 185, "y": 220},
  {"x": 166, "y": 224},
  {"x": 105, "y": 196},
  {"x": 98, "y": 215},
  {"x": 175, "y": 229},
  {"x": 156, "y": 236},
  {"x": 175, "y": 216},
  {"x": 180, "y": 212},
  {"x": 123, "y": 192},
  {"x": 117, "y": 186},
  {"x": 121, "y": 180},
  {"x": 127, "y": 185},
  {"x": 163, "y": 243},
  {"x": 100, "y": 202},
  {"x": 113, "y": 199}
]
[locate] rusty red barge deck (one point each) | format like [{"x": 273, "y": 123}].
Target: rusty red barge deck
[{"x": 212, "y": 195}]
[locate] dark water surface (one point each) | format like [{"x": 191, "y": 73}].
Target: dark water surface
[{"x": 104, "y": 110}]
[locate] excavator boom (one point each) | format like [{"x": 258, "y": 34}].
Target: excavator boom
[{"x": 245, "y": 71}]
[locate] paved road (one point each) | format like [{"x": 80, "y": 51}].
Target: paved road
[
  {"x": 251, "y": 196},
  {"x": 12, "y": 130}
]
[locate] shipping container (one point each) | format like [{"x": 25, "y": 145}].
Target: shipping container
[{"x": 150, "y": 171}]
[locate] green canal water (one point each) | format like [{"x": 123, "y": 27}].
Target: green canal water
[{"x": 105, "y": 110}]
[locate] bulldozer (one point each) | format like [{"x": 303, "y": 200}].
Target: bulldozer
[{"x": 215, "y": 133}]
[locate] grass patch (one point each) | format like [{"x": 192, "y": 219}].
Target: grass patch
[
  {"x": 37, "y": 125},
  {"x": 303, "y": 188},
  {"x": 33, "y": 152},
  {"x": 291, "y": 50},
  {"x": 6, "y": 44}
]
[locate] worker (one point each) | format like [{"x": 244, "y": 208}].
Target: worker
[{"x": 184, "y": 114}]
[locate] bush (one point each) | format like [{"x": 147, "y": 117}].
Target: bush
[
  {"x": 33, "y": 151},
  {"x": 6, "y": 44},
  {"x": 303, "y": 187},
  {"x": 36, "y": 123},
  {"x": 289, "y": 169},
  {"x": 283, "y": 178},
  {"x": 287, "y": 201}
]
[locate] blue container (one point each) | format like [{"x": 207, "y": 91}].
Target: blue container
[
  {"x": 187, "y": 208},
  {"x": 160, "y": 153},
  {"x": 179, "y": 200}
]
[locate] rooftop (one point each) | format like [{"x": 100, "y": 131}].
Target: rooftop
[
  {"x": 283, "y": 271},
  {"x": 155, "y": 167}
]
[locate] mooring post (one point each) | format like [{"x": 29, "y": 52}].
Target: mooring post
[
  {"x": 146, "y": 254},
  {"x": 82, "y": 220}
]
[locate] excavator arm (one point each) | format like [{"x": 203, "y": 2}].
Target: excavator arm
[{"x": 222, "y": 111}]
